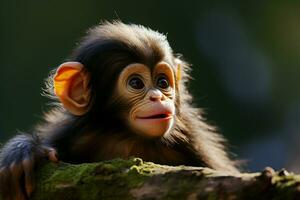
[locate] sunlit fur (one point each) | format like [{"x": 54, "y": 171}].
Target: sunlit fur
[{"x": 102, "y": 133}]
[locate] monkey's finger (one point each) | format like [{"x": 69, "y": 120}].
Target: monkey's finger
[
  {"x": 28, "y": 173},
  {"x": 52, "y": 155},
  {"x": 16, "y": 173}
]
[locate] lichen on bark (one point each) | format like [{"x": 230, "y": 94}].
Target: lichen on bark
[{"x": 135, "y": 179}]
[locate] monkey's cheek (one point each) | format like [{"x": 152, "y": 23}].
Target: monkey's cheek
[{"x": 154, "y": 127}]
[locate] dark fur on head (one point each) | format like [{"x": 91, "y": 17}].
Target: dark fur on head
[{"x": 104, "y": 52}]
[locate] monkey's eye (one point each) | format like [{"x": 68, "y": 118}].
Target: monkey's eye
[
  {"x": 136, "y": 83},
  {"x": 162, "y": 82}
]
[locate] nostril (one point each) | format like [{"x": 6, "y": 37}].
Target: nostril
[{"x": 153, "y": 98}]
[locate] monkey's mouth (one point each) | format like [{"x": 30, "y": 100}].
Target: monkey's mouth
[{"x": 157, "y": 116}]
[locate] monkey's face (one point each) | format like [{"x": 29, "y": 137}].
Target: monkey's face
[{"x": 150, "y": 94}]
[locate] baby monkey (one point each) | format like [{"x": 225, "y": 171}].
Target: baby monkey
[{"x": 121, "y": 94}]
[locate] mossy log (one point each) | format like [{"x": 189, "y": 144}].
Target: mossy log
[{"x": 135, "y": 179}]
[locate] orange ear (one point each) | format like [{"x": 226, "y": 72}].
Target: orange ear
[
  {"x": 70, "y": 86},
  {"x": 178, "y": 63}
]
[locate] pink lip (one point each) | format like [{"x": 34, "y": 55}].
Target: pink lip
[
  {"x": 157, "y": 116},
  {"x": 157, "y": 112}
]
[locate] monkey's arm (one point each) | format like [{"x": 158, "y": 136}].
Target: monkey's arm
[{"x": 18, "y": 157}]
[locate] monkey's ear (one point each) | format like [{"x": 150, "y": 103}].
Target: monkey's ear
[
  {"x": 70, "y": 86},
  {"x": 178, "y": 64}
]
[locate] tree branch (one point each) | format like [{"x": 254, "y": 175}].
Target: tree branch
[{"x": 135, "y": 179}]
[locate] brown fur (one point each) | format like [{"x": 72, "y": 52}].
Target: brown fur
[
  {"x": 101, "y": 133},
  {"x": 191, "y": 138}
]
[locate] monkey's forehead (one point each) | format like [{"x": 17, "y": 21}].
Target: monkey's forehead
[{"x": 114, "y": 41}]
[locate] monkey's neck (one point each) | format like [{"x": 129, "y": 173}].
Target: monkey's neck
[
  {"x": 76, "y": 144},
  {"x": 122, "y": 145}
]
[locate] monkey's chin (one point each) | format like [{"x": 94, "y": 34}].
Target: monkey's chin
[{"x": 153, "y": 128}]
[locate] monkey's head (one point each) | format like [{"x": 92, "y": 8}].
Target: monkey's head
[{"x": 124, "y": 76}]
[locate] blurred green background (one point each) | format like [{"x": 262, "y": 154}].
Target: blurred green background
[{"x": 245, "y": 58}]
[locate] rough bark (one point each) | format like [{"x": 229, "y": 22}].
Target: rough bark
[{"x": 135, "y": 179}]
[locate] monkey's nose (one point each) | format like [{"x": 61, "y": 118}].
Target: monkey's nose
[{"x": 155, "y": 95}]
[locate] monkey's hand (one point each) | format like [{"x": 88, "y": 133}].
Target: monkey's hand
[{"x": 18, "y": 159}]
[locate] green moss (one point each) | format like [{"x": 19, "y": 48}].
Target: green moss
[
  {"x": 84, "y": 180},
  {"x": 286, "y": 186},
  {"x": 135, "y": 179},
  {"x": 212, "y": 196}
]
